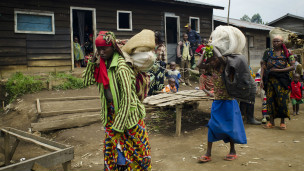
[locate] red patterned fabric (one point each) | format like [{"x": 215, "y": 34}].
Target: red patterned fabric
[{"x": 101, "y": 74}]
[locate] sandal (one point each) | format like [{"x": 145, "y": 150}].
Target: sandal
[
  {"x": 204, "y": 159},
  {"x": 282, "y": 126},
  {"x": 268, "y": 126},
  {"x": 230, "y": 157}
]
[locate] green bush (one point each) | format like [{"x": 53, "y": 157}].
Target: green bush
[
  {"x": 20, "y": 84},
  {"x": 70, "y": 82}
]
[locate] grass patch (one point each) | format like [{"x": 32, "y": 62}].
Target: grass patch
[
  {"x": 20, "y": 84},
  {"x": 67, "y": 81}
]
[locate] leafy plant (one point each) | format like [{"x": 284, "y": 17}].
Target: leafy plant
[
  {"x": 69, "y": 81},
  {"x": 20, "y": 84}
]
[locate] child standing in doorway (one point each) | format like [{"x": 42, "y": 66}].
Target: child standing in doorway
[{"x": 296, "y": 94}]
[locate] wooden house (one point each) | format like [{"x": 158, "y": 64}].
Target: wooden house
[
  {"x": 290, "y": 22},
  {"x": 37, "y": 36},
  {"x": 257, "y": 36}
]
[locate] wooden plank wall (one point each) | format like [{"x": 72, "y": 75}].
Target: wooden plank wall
[
  {"x": 290, "y": 23},
  {"x": 38, "y": 52}
]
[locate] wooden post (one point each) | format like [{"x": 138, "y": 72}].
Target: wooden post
[
  {"x": 179, "y": 109},
  {"x": 6, "y": 149},
  {"x": 67, "y": 166}
]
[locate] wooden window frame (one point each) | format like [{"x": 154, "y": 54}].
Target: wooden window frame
[
  {"x": 32, "y": 12},
  {"x": 198, "y": 23},
  {"x": 130, "y": 20}
]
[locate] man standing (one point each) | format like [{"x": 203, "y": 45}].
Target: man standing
[{"x": 195, "y": 40}]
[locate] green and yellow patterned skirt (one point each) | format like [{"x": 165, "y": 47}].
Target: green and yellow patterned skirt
[{"x": 277, "y": 99}]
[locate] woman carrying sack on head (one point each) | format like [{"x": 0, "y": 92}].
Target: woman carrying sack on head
[{"x": 126, "y": 144}]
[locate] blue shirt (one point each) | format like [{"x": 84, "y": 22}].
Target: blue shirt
[{"x": 194, "y": 38}]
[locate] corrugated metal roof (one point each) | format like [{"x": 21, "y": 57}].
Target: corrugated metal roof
[
  {"x": 200, "y": 3},
  {"x": 287, "y": 15},
  {"x": 243, "y": 24}
]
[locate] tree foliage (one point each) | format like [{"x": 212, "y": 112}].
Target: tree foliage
[
  {"x": 256, "y": 18},
  {"x": 246, "y": 18}
]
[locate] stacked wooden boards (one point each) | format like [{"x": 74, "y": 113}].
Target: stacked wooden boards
[{"x": 66, "y": 112}]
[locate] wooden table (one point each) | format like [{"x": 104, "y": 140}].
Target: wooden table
[{"x": 176, "y": 100}]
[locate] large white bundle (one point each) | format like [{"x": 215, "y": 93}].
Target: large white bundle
[
  {"x": 228, "y": 40},
  {"x": 143, "y": 61}
]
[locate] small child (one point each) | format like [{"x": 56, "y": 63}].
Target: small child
[
  {"x": 185, "y": 53},
  {"x": 296, "y": 94},
  {"x": 78, "y": 53},
  {"x": 206, "y": 83},
  {"x": 170, "y": 88},
  {"x": 173, "y": 73}
]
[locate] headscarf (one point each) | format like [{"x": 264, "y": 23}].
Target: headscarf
[{"x": 105, "y": 38}]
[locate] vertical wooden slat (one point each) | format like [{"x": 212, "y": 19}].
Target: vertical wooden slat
[
  {"x": 178, "y": 119},
  {"x": 66, "y": 166},
  {"x": 6, "y": 149}
]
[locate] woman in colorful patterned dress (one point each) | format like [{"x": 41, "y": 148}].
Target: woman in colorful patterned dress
[
  {"x": 126, "y": 145},
  {"x": 276, "y": 66}
]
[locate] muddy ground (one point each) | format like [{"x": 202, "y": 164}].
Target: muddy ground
[{"x": 272, "y": 149}]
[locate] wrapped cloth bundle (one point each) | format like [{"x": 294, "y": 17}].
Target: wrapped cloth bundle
[
  {"x": 141, "y": 42},
  {"x": 228, "y": 40},
  {"x": 281, "y": 32},
  {"x": 138, "y": 50}
]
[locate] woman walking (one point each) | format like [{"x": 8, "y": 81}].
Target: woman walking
[{"x": 126, "y": 145}]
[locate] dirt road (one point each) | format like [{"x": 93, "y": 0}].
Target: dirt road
[{"x": 271, "y": 149}]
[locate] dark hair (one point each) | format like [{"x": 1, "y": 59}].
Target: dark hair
[
  {"x": 185, "y": 34},
  {"x": 158, "y": 36}
]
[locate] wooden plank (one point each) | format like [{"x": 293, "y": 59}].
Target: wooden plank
[
  {"x": 154, "y": 97},
  {"x": 49, "y": 63},
  {"x": 48, "y": 44},
  {"x": 47, "y": 160},
  {"x": 8, "y": 50},
  {"x": 12, "y": 42},
  {"x": 38, "y": 167},
  {"x": 71, "y": 98},
  {"x": 33, "y": 137},
  {"x": 173, "y": 97},
  {"x": 6, "y": 149},
  {"x": 171, "y": 101},
  {"x": 14, "y": 60},
  {"x": 32, "y": 140},
  {"x": 48, "y": 50},
  {"x": 1, "y": 150},
  {"x": 66, "y": 56},
  {"x": 38, "y": 106},
  {"x": 55, "y": 37},
  {"x": 69, "y": 122},
  {"x": 55, "y": 113},
  {"x": 179, "y": 109},
  {"x": 13, "y": 149},
  {"x": 67, "y": 166}
]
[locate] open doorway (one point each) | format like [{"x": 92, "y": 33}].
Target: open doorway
[
  {"x": 83, "y": 34},
  {"x": 172, "y": 36}
]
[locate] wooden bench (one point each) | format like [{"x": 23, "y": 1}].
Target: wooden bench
[
  {"x": 59, "y": 153},
  {"x": 176, "y": 100}
]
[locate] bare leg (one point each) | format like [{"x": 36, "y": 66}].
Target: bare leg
[
  {"x": 297, "y": 108},
  {"x": 209, "y": 148},
  {"x": 282, "y": 120},
  {"x": 232, "y": 148}
]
